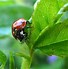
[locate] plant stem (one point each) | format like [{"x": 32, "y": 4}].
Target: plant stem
[{"x": 27, "y": 63}]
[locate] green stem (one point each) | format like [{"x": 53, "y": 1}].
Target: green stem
[{"x": 26, "y": 63}]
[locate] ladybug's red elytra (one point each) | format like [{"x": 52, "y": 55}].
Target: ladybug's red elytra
[
  {"x": 21, "y": 23},
  {"x": 18, "y": 29}
]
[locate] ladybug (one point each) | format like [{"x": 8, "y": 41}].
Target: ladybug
[{"x": 19, "y": 29}]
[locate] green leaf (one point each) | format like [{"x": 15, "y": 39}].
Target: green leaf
[
  {"x": 23, "y": 55},
  {"x": 53, "y": 40},
  {"x": 53, "y": 34},
  {"x": 59, "y": 49},
  {"x": 63, "y": 17},
  {"x": 44, "y": 15},
  {"x": 45, "y": 30},
  {"x": 22, "y": 50},
  {"x": 11, "y": 61},
  {"x": 3, "y": 60},
  {"x": 62, "y": 14}
]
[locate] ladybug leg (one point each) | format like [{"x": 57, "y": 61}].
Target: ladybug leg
[
  {"x": 29, "y": 27},
  {"x": 29, "y": 21},
  {"x": 28, "y": 24}
]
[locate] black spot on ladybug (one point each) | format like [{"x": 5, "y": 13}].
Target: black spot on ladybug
[{"x": 21, "y": 36}]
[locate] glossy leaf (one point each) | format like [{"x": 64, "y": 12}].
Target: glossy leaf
[
  {"x": 48, "y": 33},
  {"x": 44, "y": 15},
  {"x": 62, "y": 14},
  {"x": 22, "y": 50},
  {"x": 55, "y": 33},
  {"x": 59, "y": 49},
  {"x": 54, "y": 40},
  {"x": 23, "y": 55}
]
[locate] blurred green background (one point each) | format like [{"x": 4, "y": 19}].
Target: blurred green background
[{"x": 10, "y": 11}]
